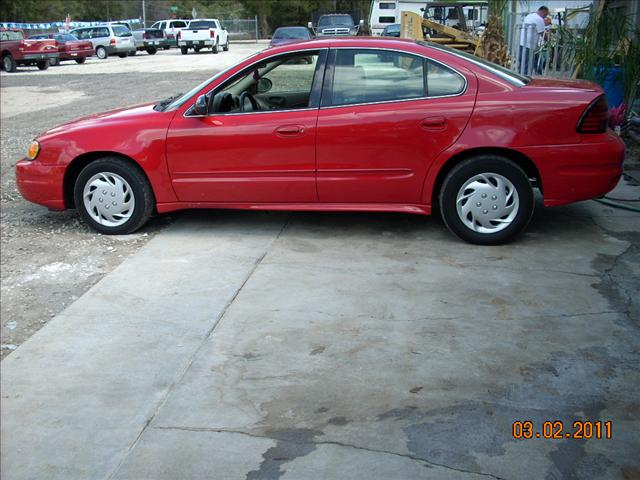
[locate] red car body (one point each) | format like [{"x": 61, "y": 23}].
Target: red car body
[
  {"x": 69, "y": 49},
  {"x": 390, "y": 156},
  {"x": 24, "y": 51}
]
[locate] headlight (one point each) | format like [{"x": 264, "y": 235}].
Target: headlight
[{"x": 34, "y": 150}]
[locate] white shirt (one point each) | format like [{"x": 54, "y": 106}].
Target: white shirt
[{"x": 529, "y": 35}]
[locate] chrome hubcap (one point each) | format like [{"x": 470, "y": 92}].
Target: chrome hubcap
[
  {"x": 7, "y": 63},
  {"x": 101, "y": 53},
  {"x": 108, "y": 198},
  {"x": 487, "y": 203}
]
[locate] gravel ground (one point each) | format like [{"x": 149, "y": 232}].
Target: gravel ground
[{"x": 48, "y": 258}]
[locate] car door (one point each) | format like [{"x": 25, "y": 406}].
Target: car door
[
  {"x": 263, "y": 155},
  {"x": 382, "y": 124}
]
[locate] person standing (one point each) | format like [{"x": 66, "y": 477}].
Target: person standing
[{"x": 533, "y": 29}]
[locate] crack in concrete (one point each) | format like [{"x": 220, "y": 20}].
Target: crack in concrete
[
  {"x": 328, "y": 442},
  {"x": 191, "y": 360}
]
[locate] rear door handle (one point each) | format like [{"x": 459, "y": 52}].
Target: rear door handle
[
  {"x": 434, "y": 123},
  {"x": 290, "y": 130}
]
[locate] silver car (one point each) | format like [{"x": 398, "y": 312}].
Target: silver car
[{"x": 108, "y": 40}]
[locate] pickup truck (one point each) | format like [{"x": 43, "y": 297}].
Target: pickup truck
[
  {"x": 170, "y": 29},
  {"x": 149, "y": 39},
  {"x": 16, "y": 50},
  {"x": 203, "y": 33},
  {"x": 336, "y": 24}
]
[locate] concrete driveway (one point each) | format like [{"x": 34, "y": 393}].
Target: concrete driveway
[{"x": 247, "y": 345}]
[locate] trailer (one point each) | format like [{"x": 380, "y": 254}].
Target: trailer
[{"x": 385, "y": 12}]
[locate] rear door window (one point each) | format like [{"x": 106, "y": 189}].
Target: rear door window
[{"x": 365, "y": 76}]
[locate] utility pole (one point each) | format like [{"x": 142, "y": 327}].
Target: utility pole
[{"x": 144, "y": 15}]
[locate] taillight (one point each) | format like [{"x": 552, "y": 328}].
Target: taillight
[
  {"x": 144, "y": 35},
  {"x": 178, "y": 36},
  {"x": 595, "y": 117},
  {"x": 112, "y": 41},
  {"x": 212, "y": 33}
]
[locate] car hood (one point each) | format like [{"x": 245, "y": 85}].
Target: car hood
[{"x": 131, "y": 114}]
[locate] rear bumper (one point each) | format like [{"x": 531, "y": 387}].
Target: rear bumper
[
  {"x": 41, "y": 184},
  {"x": 114, "y": 49},
  {"x": 36, "y": 57},
  {"x": 570, "y": 173},
  {"x": 72, "y": 55},
  {"x": 197, "y": 43}
]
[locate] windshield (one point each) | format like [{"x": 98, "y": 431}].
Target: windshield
[
  {"x": 201, "y": 24},
  {"x": 121, "y": 31},
  {"x": 182, "y": 99},
  {"x": 504, "y": 73},
  {"x": 337, "y": 20},
  {"x": 285, "y": 33}
]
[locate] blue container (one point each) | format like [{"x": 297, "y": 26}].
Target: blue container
[{"x": 612, "y": 86}]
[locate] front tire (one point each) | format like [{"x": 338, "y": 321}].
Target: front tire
[
  {"x": 101, "y": 53},
  {"x": 9, "y": 63},
  {"x": 54, "y": 62},
  {"x": 113, "y": 196},
  {"x": 42, "y": 64},
  {"x": 486, "y": 200}
]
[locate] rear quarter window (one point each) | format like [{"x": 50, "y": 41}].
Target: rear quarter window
[{"x": 443, "y": 81}]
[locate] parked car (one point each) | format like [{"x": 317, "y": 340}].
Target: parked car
[
  {"x": 284, "y": 35},
  {"x": 371, "y": 124},
  {"x": 203, "y": 33},
  {"x": 69, "y": 47},
  {"x": 108, "y": 40},
  {"x": 336, "y": 24},
  {"x": 170, "y": 29},
  {"x": 392, "y": 30},
  {"x": 16, "y": 50}
]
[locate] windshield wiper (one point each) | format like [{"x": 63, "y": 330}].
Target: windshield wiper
[{"x": 164, "y": 103}]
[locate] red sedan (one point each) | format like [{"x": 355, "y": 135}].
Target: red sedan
[
  {"x": 69, "y": 47},
  {"x": 367, "y": 124}
]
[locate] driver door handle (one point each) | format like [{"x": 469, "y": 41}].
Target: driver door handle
[{"x": 290, "y": 130}]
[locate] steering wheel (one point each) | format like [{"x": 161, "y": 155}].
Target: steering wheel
[{"x": 244, "y": 96}]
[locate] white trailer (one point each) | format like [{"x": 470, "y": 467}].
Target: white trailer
[{"x": 388, "y": 12}]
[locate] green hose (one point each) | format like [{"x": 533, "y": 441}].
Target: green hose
[{"x": 617, "y": 205}]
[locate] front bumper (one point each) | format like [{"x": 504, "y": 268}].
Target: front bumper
[
  {"x": 41, "y": 184},
  {"x": 570, "y": 173}
]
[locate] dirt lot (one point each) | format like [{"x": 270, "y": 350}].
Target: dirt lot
[{"x": 37, "y": 280}]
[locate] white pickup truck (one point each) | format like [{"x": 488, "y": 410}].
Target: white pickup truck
[{"x": 203, "y": 33}]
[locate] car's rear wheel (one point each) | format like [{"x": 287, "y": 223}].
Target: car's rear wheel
[
  {"x": 123, "y": 55},
  {"x": 42, "y": 64},
  {"x": 54, "y": 62},
  {"x": 113, "y": 196},
  {"x": 81, "y": 60},
  {"x": 226, "y": 46},
  {"x": 8, "y": 63},
  {"x": 184, "y": 50},
  {"x": 166, "y": 47},
  {"x": 196, "y": 49},
  {"x": 486, "y": 200},
  {"x": 151, "y": 50},
  {"x": 215, "y": 48},
  {"x": 101, "y": 53}
]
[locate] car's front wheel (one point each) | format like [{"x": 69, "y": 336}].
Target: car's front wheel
[
  {"x": 42, "y": 64},
  {"x": 101, "y": 53},
  {"x": 113, "y": 196},
  {"x": 486, "y": 200}
]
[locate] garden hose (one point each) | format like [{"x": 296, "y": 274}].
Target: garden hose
[{"x": 617, "y": 205}]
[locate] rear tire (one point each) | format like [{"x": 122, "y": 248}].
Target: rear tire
[
  {"x": 80, "y": 61},
  {"x": 101, "y": 53},
  {"x": 184, "y": 50},
  {"x": 8, "y": 63},
  {"x": 486, "y": 200},
  {"x": 151, "y": 50},
  {"x": 42, "y": 64},
  {"x": 54, "y": 62},
  {"x": 166, "y": 47},
  {"x": 196, "y": 49},
  {"x": 122, "y": 55},
  {"x": 127, "y": 204},
  {"x": 215, "y": 48}
]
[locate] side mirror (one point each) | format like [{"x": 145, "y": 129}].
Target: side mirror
[
  {"x": 310, "y": 25},
  {"x": 200, "y": 107},
  {"x": 264, "y": 85}
]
